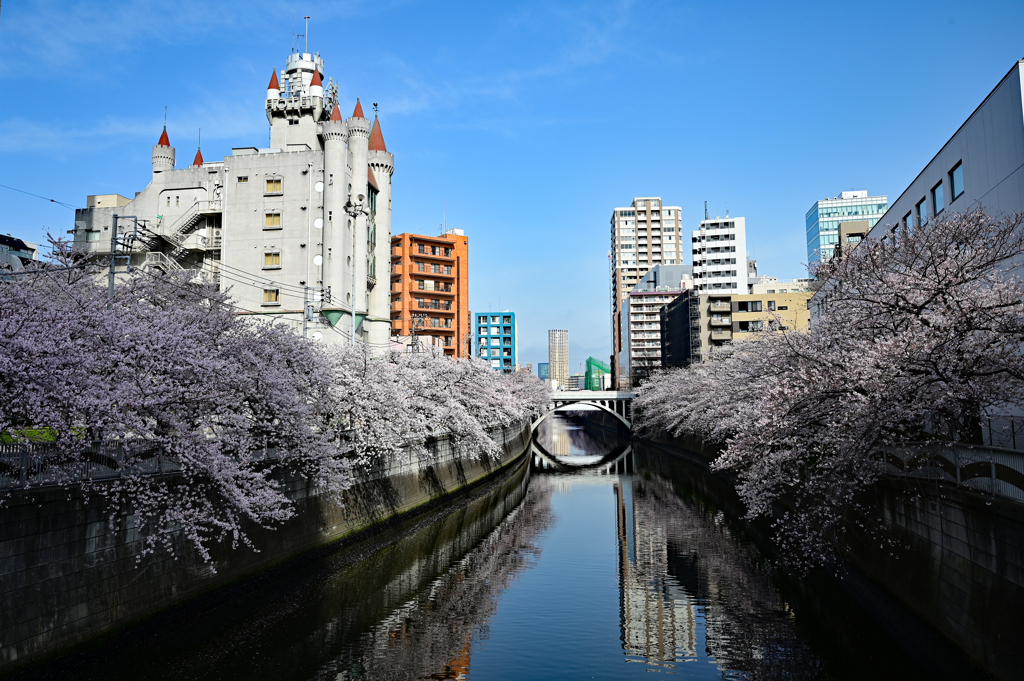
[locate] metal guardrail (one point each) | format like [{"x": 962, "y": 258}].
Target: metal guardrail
[
  {"x": 33, "y": 465},
  {"x": 987, "y": 469}
]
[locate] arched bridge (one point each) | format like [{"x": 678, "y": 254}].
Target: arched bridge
[{"x": 617, "y": 403}]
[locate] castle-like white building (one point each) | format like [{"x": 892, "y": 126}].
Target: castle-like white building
[{"x": 300, "y": 230}]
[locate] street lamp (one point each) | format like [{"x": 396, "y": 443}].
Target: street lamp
[{"x": 354, "y": 210}]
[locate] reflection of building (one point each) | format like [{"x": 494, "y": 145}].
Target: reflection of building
[
  {"x": 641, "y": 323},
  {"x": 658, "y": 618},
  {"x": 496, "y": 340},
  {"x": 430, "y": 289},
  {"x": 693, "y": 324},
  {"x": 271, "y": 223},
  {"x": 558, "y": 356},
  {"x": 825, "y": 217},
  {"x": 643, "y": 235}
]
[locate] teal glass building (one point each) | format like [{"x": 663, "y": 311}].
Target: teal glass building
[
  {"x": 824, "y": 217},
  {"x": 496, "y": 340}
]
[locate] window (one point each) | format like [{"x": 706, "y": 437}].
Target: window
[
  {"x": 956, "y": 181},
  {"x": 273, "y": 186},
  {"x": 243, "y": 179},
  {"x": 783, "y": 307},
  {"x": 755, "y": 306},
  {"x": 922, "y": 212},
  {"x": 271, "y": 296},
  {"x": 168, "y": 201},
  {"x": 938, "y": 199},
  {"x": 272, "y": 221},
  {"x": 271, "y": 261},
  {"x": 92, "y": 235},
  {"x": 771, "y": 305},
  {"x": 177, "y": 200},
  {"x": 908, "y": 220},
  {"x": 421, "y": 267},
  {"x": 447, "y": 252},
  {"x": 422, "y": 248}
]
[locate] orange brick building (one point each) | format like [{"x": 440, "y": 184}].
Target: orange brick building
[{"x": 430, "y": 286}]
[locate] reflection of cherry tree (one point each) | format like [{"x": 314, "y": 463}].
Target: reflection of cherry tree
[
  {"x": 918, "y": 334},
  {"x": 166, "y": 365},
  {"x": 430, "y": 636}
]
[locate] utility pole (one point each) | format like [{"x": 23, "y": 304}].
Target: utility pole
[
  {"x": 417, "y": 320},
  {"x": 354, "y": 210}
]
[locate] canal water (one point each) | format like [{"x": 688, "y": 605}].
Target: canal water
[{"x": 595, "y": 559}]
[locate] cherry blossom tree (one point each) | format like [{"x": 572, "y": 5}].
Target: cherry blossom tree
[
  {"x": 168, "y": 365},
  {"x": 916, "y": 335}
]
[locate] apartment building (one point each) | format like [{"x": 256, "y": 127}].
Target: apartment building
[
  {"x": 644, "y": 234},
  {"x": 825, "y": 217},
  {"x": 720, "y": 256},
  {"x": 558, "y": 357},
  {"x": 641, "y": 324},
  {"x": 496, "y": 336},
  {"x": 430, "y": 290},
  {"x": 694, "y": 323}
]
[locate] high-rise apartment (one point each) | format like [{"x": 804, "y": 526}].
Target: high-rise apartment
[
  {"x": 558, "y": 356},
  {"x": 825, "y": 216},
  {"x": 720, "y": 256},
  {"x": 294, "y": 229},
  {"x": 641, "y": 324},
  {"x": 496, "y": 340},
  {"x": 430, "y": 289},
  {"x": 644, "y": 234}
]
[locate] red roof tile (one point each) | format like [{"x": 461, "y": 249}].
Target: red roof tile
[
  {"x": 274, "y": 85},
  {"x": 336, "y": 114},
  {"x": 358, "y": 113},
  {"x": 164, "y": 142},
  {"x": 370, "y": 179},
  {"x": 376, "y": 137},
  {"x": 316, "y": 79},
  {"x": 199, "y": 158}
]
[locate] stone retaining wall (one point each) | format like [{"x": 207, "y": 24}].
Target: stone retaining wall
[{"x": 66, "y": 576}]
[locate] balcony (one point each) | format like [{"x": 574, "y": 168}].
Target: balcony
[
  {"x": 721, "y": 334},
  {"x": 444, "y": 306},
  {"x": 721, "y": 321},
  {"x": 720, "y": 307}
]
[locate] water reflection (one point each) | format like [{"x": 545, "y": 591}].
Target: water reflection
[{"x": 581, "y": 437}]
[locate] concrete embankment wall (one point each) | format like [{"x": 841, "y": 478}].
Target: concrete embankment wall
[
  {"x": 954, "y": 565},
  {"x": 67, "y": 576}
]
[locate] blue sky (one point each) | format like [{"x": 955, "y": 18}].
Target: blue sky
[{"x": 528, "y": 121}]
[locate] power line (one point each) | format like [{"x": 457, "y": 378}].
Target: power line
[{"x": 44, "y": 198}]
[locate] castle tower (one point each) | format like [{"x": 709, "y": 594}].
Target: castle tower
[
  {"x": 382, "y": 166},
  {"x": 337, "y": 270},
  {"x": 298, "y": 105},
  {"x": 358, "y": 140},
  {"x": 163, "y": 155}
]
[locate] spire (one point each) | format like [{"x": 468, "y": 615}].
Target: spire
[
  {"x": 376, "y": 137},
  {"x": 370, "y": 179},
  {"x": 274, "y": 85},
  {"x": 199, "y": 158},
  {"x": 164, "y": 141},
  {"x": 358, "y": 113},
  {"x": 336, "y": 114},
  {"x": 316, "y": 79}
]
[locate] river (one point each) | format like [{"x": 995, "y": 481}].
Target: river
[{"x": 597, "y": 558}]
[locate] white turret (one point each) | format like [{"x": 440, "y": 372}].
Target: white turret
[
  {"x": 382, "y": 166},
  {"x": 358, "y": 137},
  {"x": 163, "y": 155}
]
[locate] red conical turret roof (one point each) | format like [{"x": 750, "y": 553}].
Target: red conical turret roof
[
  {"x": 316, "y": 79},
  {"x": 370, "y": 179},
  {"x": 274, "y": 85},
  {"x": 336, "y": 114},
  {"x": 164, "y": 142},
  {"x": 376, "y": 137},
  {"x": 199, "y": 158},
  {"x": 358, "y": 113}
]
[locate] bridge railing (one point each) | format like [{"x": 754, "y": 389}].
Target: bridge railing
[{"x": 988, "y": 469}]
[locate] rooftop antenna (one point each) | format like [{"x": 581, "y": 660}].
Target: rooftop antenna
[
  {"x": 306, "y": 34},
  {"x": 200, "y": 138},
  {"x": 726, "y": 208},
  {"x": 293, "y": 32},
  {"x": 706, "y": 216},
  {"x": 165, "y": 117},
  {"x": 375, "y": 109}
]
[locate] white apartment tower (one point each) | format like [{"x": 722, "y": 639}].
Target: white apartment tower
[
  {"x": 558, "y": 356},
  {"x": 300, "y": 230},
  {"x": 720, "y": 256},
  {"x": 643, "y": 235}
]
